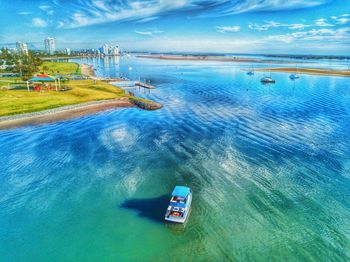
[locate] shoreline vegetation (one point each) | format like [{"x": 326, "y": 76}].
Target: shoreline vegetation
[
  {"x": 18, "y": 107},
  {"x": 237, "y": 59},
  {"x": 306, "y": 71},
  {"x": 19, "y": 100},
  {"x": 62, "y": 68}
]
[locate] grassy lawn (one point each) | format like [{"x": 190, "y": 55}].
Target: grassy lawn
[
  {"x": 54, "y": 68},
  {"x": 5, "y": 81},
  {"x": 20, "y": 101}
]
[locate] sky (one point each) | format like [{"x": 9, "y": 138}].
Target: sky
[{"x": 222, "y": 26}]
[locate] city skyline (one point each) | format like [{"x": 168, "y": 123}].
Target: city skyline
[
  {"x": 268, "y": 26},
  {"x": 50, "y": 49}
]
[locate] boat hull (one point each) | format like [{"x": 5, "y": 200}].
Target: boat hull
[
  {"x": 293, "y": 77},
  {"x": 267, "y": 80}
]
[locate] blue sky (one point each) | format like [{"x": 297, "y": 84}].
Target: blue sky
[{"x": 236, "y": 26}]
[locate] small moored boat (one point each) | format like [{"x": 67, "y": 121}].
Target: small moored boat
[
  {"x": 267, "y": 79},
  {"x": 251, "y": 72},
  {"x": 179, "y": 205},
  {"x": 294, "y": 76}
]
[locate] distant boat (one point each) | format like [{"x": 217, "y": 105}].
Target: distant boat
[
  {"x": 179, "y": 205},
  {"x": 295, "y": 75},
  {"x": 251, "y": 71},
  {"x": 267, "y": 80}
]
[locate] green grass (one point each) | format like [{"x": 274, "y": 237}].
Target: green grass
[
  {"x": 6, "y": 81},
  {"x": 21, "y": 101},
  {"x": 54, "y": 68}
]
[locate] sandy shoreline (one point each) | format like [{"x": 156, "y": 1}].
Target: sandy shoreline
[
  {"x": 87, "y": 70},
  {"x": 215, "y": 59},
  {"x": 61, "y": 113},
  {"x": 307, "y": 71}
]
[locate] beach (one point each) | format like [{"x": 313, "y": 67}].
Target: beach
[
  {"x": 61, "y": 113},
  {"x": 87, "y": 70},
  {"x": 216, "y": 59},
  {"x": 307, "y": 71}
]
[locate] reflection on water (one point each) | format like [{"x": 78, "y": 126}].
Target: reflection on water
[{"x": 268, "y": 167}]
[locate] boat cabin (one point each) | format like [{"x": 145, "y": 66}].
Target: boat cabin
[{"x": 179, "y": 204}]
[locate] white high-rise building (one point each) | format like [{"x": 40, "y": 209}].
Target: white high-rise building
[
  {"x": 115, "y": 51},
  {"x": 67, "y": 51},
  {"x": 110, "y": 50},
  {"x": 22, "y": 48},
  {"x": 105, "y": 49},
  {"x": 50, "y": 45}
]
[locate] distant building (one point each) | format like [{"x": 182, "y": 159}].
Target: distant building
[
  {"x": 109, "y": 50},
  {"x": 115, "y": 51},
  {"x": 67, "y": 51},
  {"x": 105, "y": 49},
  {"x": 50, "y": 45},
  {"x": 22, "y": 48}
]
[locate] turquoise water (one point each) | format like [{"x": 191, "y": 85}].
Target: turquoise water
[{"x": 269, "y": 166}]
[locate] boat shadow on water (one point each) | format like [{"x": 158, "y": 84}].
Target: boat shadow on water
[
  {"x": 150, "y": 208},
  {"x": 153, "y": 209}
]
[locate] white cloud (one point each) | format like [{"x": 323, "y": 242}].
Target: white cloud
[
  {"x": 102, "y": 5},
  {"x": 323, "y": 34},
  {"x": 287, "y": 38},
  {"x": 224, "y": 29},
  {"x": 44, "y": 7},
  {"x": 47, "y": 9},
  {"x": 272, "y": 5},
  {"x": 92, "y": 12},
  {"x": 38, "y": 22},
  {"x": 297, "y": 26},
  {"x": 147, "y": 19},
  {"x": 60, "y": 24},
  {"x": 322, "y": 22},
  {"x": 24, "y": 13},
  {"x": 264, "y": 27},
  {"x": 341, "y": 20},
  {"x": 273, "y": 24},
  {"x": 149, "y": 33}
]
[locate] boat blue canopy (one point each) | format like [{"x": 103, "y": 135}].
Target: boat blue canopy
[
  {"x": 181, "y": 191},
  {"x": 183, "y": 205}
]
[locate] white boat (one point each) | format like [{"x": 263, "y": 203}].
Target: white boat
[
  {"x": 267, "y": 79},
  {"x": 179, "y": 205},
  {"x": 251, "y": 72},
  {"x": 294, "y": 76}
]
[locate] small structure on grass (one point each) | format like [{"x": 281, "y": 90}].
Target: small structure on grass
[{"x": 43, "y": 78}]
